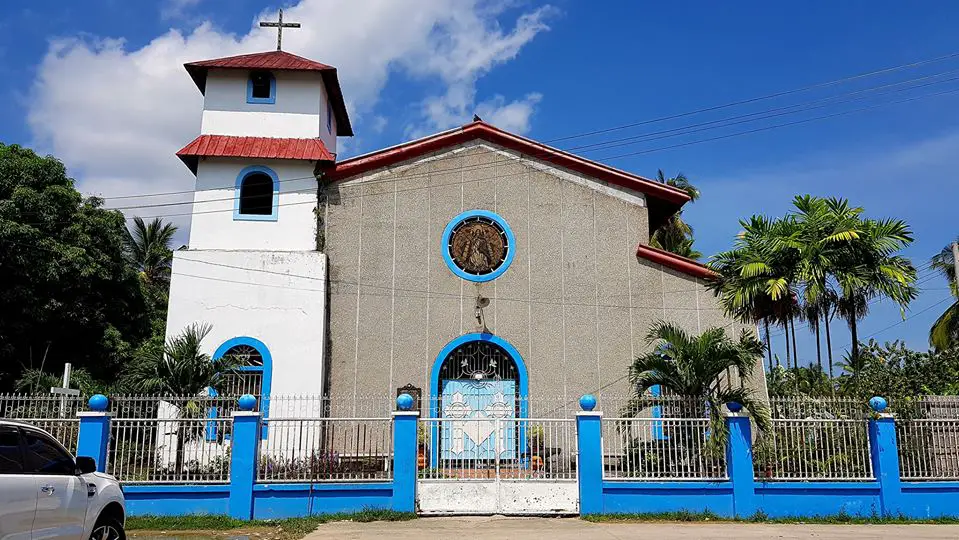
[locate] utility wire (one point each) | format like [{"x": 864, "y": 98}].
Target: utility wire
[
  {"x": 727, "y": 136},
  {"x": 694, "y": 112}
]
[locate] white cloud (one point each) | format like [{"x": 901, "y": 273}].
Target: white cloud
[
  {"x": 512, "y": 116},
  {"x": 117, "y": 116}
]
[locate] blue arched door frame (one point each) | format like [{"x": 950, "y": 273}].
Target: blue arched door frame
[
  {"x": 266, "y": 370},
  {"x": 522, "y": 383}
]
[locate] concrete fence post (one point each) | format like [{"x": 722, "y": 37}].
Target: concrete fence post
[
  {"x": 884, "y": 455},
  {"x": 739, "y": 461},
  {"x": 589, "y": 439},
  {"x": 404, "y": 454},
  {"x": 93, "y": 437},
  {"x": 244, "y": 455}
]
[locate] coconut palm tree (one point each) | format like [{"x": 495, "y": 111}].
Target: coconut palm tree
[
  {"x": 148, "y": 248},
  {"x": 694, "y": 366},
  {"x": 675, "y": 235},
  {"x": 945, "y": 331}
]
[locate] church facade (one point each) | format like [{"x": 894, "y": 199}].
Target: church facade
[{"x": 483, "y": 270}]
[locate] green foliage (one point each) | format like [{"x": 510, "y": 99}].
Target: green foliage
[
  {"x": 181, "y": 367},
  {"x": 802, "y": 381},
  {"x": 693, "y": 366},
  {"x": 821, "y": 259},
  {"x": 675, "y": 235},
  {"x": 69, "y": 294},
  {"x": 945, "y": 331},
  {"x": 894, "y": 371},
  {"x": 761, "y": 517}
]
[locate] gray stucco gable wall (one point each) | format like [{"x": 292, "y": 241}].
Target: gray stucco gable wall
[{"x": 576, "y": 302}]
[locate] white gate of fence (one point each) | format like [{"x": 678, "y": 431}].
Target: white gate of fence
[{"x": 507, "y": 466}]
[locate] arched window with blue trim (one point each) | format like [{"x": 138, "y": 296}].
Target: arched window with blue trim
[
  {"x": 257, "y": 195},
  {"x": 253, "y": 374},
  {"x": 261, "y": 88}
]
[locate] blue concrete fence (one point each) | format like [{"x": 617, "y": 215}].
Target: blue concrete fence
[
  {"x": 740, "y": 495},
  {"x": 743, "y": 496},
  {"x": 245, "y": 498}
]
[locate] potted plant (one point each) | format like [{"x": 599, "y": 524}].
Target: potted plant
[
  {"x": 535, "y": 442},
  {"x": 422, "y": 449}
]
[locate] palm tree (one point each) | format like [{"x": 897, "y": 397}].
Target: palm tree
[
  {"x": 819, "y": 227},
  {"x": 694, "y": 365},
  {"x": 148, "y": 248},
  {"x": 945, "y": 331},
  {"x": 675, "y": 235},
  {"x": 753, "y": 280},
  {"x": 181, "y": 368},
  {"x": 867, "y": 268}
]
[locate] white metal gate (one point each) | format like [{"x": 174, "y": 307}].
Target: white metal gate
[{"x": 497, "y": 466}]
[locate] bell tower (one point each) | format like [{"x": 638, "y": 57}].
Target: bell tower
[
  {"x": 269, "y": 121},
  {"x": 269, "y": 124}
]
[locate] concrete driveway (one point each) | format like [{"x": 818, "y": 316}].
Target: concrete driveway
[{"x": 503, "y": 528}]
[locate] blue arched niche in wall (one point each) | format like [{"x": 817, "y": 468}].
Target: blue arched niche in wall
[
  {"x": 523, "y": 382},
  {"x": 492, "y": 216},
  {"x": 275, "y": 210},
  {"x": 266, "y": 370},
  {"x": 521, "y": 393}
]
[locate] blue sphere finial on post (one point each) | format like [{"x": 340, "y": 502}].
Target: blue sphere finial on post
[
  {"x": 587, "y": 402},
  {"x": 878, "y": 404},
  {"x": 247, "y": 402},
  {"x": 404, "y": 402},
  {"x": 98, "y": 402},
  {"x": 734, "y": 406}
]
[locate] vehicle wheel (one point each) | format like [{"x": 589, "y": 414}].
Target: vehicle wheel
[{"x": 108, "y": 528}]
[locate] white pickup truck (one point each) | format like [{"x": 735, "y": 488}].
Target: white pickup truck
[{"x": 46, "y": 493}]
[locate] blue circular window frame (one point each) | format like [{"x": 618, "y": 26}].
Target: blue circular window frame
[{"x": 510, "y": 249}]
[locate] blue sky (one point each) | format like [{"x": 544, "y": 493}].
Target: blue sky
[{"x": 100, "y": 85}]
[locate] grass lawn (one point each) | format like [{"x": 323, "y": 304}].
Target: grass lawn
[{"x": 217, "y": 526}]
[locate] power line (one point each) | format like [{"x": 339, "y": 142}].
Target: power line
[
  {"x": 700, "y": 141},
  {"x": 699, "y": 111},
  {"x": 765, "y": 97}
]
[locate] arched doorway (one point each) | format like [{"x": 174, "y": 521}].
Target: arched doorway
[{"x": 477, "y": 381}]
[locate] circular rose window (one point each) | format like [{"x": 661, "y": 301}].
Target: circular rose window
[{"x": 478, "y": 245}]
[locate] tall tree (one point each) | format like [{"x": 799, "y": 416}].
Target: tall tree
[
  {"x": 945, "y": 331},
  {"x": 675, "y": 235},
  {"x": 695, "y": 365},
  {"x": 868, "y": 268},
  {"x": 148, "y": 247},
  {"x": 68, "y": 293},
  {"x": 753, "y": 280}
]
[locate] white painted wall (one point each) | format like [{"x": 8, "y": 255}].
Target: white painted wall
[
  {"x": 299, "y": 112},
  {"x": 213, "y": 225},
  {"x": 278, "y": 298},
  {"x": 510, "y": 497}
]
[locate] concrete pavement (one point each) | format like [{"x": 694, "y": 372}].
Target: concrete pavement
[{"x": 504, "y": 528}]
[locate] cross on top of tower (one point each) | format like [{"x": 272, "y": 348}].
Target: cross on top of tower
[{"x": 279, "y": 25}]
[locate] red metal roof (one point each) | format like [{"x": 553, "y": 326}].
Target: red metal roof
[
  {"x": 279, "y": 61},
  {"x": 266, "y": 60},
  {"x": 662, "y": 200},
  {"x": 676, "y": 262},
  {"x": 253, "y": 147}
]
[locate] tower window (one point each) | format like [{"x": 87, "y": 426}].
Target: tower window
[
  {"x": 257, "y": 195},
  {"x": 261, "y": 88}
]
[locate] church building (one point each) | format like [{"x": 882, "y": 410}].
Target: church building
[{"x": 485, "y": 272}]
